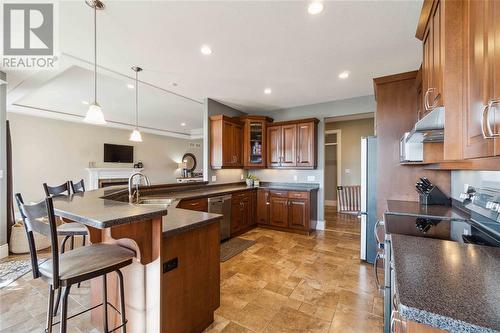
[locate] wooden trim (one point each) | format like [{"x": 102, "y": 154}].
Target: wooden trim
[
  {"x": 412, "y": 75},
  {"x": 293, "y": 122},
  {"x": 226, "y": 118},
  {"x": 251, "y": 117},
  {"x": 425, "y": 13},
  {"x": 480, "y": 164}
]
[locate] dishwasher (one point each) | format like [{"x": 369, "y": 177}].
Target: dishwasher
[{"x": 222, "y": 205}]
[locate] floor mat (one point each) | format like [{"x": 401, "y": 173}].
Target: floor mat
[
  {"x": 11, "y": 270},
  {"x": 234, "y": 246}
]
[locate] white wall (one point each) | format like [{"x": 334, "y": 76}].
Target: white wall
[
  {"x": 54, "y": 151},
  {"x": 343, "y": 107},
  {"x": 474, "y": 178}
]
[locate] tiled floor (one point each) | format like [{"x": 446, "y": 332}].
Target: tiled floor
[
  {"x": 294, "y": 283},
  {"x": 284, "y": 283}
]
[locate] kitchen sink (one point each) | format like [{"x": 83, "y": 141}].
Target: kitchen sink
[{"x": 156, "y": 201}]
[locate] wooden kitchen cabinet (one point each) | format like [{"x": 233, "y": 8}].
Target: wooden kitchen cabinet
[
  {"x": 288, "y": 210},
  {"x": 200, "y": 205},
  {"x": 242, "y": 212},
  {"x": 441, "y": 31},
  {"x": 226, "y": 142},
  {"x": 262, "y": 206},
  {"x": 292, "y": 144},
  {"x": 254, "y": 141},
  {"x": 482, "y": 81}
]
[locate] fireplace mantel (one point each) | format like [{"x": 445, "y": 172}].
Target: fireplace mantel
[{"x": 96, "y": 174}]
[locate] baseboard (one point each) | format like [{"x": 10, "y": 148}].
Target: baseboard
[
  {"x": 320, "y": 225},
  {"x": 4, "y": 251},
  {"x": 331, "y": 203}
]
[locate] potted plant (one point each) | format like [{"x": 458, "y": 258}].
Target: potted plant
[{"x": 250, "y": 179}]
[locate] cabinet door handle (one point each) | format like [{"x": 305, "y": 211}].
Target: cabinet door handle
[
  {"x": 267, "y": 203},
  {"x": 485, "y": 121},
  {"x": 427, "y": 105}
]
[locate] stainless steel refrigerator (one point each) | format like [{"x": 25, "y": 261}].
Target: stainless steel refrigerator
[{"x": 368, "y": 198}]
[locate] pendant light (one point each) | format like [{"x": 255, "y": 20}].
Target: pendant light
[
  {"x": 136, "y": 135},
  {"x": 94, "y": 113}
]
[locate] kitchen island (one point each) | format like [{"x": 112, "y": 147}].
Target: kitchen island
[{"x": 173, "y": 285}]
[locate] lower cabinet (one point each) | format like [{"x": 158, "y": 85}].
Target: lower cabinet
[
  {"x": 278, "y": 211},
  {"x": 200, "y": 205},
  {"x": 292, "y": 210},
  {"x": 242, "y": 211},
  {"x": 262, "y": 206}
]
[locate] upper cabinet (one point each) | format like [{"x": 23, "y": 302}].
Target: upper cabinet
[
  {"x": 226, "y": 142},
  {"x": 254, "y": 141},
  {"x": 292, "y": 144},
  {"x": 481, "y": 86}
]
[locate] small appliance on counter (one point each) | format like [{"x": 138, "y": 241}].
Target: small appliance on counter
[{"x": 429, "y": 194}]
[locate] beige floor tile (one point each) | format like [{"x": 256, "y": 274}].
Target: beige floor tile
[{"x": 346, "y": 320}]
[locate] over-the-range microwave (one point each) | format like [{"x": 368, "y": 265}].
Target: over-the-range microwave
[{"x": 410, "y": 151}]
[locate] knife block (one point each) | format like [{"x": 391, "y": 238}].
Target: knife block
[{"x": 435, "y": 197}]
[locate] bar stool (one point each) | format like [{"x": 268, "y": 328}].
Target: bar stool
[
  {"x": 63, "y": 270},
  {"x": 71, "y": 229},
  {"x": 78, "y": 187}
]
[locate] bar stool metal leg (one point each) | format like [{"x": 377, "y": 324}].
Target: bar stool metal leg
[
  {"x": 63, "y": 244},
  {"x": 122, "y": 302},
  {"x": 58, "y": 300},
  {"x": 50, "y": 310},
  {"x": 83, "y": 244},
  {"x": 64, "y": 310},
  {"x": 104, "y": 304},
  {"x": 72, "y": 242}
]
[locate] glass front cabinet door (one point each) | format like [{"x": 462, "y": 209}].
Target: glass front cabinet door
[{"x": 254, "y": 145}]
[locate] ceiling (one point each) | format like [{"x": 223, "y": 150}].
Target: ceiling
[{"x": 256, "y": 45}]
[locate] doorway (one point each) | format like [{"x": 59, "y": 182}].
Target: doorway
[{"x": 333, "y": 167}]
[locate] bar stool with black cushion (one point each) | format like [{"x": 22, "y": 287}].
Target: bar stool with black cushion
[
  {"x": 63, "y": 270},
  {"x": 69, "y": 229},
  {"x": 77, "y": 187}
]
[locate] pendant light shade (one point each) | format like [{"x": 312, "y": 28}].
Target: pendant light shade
[
  {"x": 94, "y": 113},
  {"x": 136, "y": 135}
]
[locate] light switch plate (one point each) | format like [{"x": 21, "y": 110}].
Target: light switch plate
[
  {"x": 295, "y": 177},
  {"x": 311, "y": 178},
  {"x": 1, "y": 174},
  {"x": 214, "y": 178}
]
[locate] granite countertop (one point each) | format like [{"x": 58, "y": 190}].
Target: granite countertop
[
  {"x": 448, "y": 285},
  {"x": 91, "y": 209},
  {"x": 96, "y": 208},
  {"x": 413, "y": 208}
]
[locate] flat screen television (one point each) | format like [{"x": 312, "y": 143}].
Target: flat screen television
[{"x": 118, "y": 153}]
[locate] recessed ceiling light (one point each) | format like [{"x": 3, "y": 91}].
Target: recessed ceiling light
[
  {"x": 85, "y": 103},
  {"x": 183, "y": 124},
  {"x": 130, "y": 86},
  {"x": 206, "y": 50},
  {"x": 344, "y": 75},
  {"x": 174, "y": 84},
  {"x": 315, "y": 7},
  {"x": 268, "y": 91}
]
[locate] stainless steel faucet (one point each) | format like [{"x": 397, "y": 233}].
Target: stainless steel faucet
[{"x": 131, "y": 184}]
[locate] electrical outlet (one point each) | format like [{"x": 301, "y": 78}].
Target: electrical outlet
[
  {"x": 241, "y": 177},
  {"x": 311, "y": 178},
  {"x": 214, "y": 178},
  {"x": 295, "y": 178}
]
